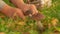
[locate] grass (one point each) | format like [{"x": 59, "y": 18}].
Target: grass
[{"x": 51, "y": 22}]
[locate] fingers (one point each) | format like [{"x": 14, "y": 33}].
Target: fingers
[
  {"x": 33, "y": 9},
  {"x": 20, "y": 14},
  {"x": 10, "y": 11}
]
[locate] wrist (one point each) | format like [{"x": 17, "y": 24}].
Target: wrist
[{"x": 5, "y": 7}]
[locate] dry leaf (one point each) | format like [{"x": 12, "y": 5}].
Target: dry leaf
[
  {"x": 2, "y": 33},
  {"x": 21, "y": 23},
  {"x": 54, "y": 21},
  {"x": 49, "y": 25},
  {"x": 2, "y": 16}
]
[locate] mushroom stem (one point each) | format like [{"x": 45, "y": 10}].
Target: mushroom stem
[
  {"x": 40, "y": 27},
  {"x": 39, "y": 24}
]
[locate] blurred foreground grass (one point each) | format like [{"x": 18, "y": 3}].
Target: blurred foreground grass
[{"x": 51, "y": 22}]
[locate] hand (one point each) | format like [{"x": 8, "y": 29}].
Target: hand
[
  {"x": 12, "y": 12},
  {"x": 28, "y": 7}
]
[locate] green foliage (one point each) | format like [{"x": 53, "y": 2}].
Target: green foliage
[{"x": 52, "y": 14}]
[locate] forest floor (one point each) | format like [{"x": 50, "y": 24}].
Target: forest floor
[{"x": 51, "y": 22}]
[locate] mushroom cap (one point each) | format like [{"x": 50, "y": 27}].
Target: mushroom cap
[{"x": 38, "y": 16}]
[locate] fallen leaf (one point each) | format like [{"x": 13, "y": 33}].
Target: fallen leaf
[
  {"x": 54, "y": 21},
  {"x": 21, "y": 23},
  {"x": 2, "y": 33}
]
